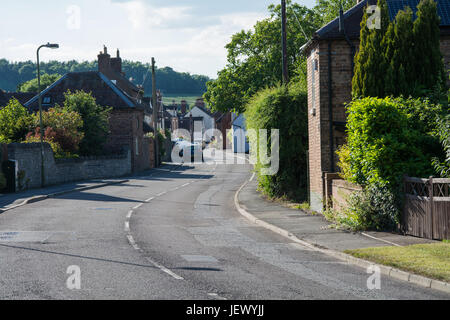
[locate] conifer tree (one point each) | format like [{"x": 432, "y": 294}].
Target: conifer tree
[
  {"x": 370, "y": 65},
  {"x": 428, "y": 57},
  {"x": 399, "y": 54}
]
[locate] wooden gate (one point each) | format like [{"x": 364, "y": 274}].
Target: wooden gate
[{"x": 426, "y": 212}]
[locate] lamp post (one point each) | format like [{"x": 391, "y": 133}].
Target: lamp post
[{"x": 51, "y": 46}]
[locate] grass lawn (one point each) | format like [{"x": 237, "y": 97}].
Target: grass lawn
[
  {"x": 429, "y": 260},
  {"x": 168, "y": 98}
]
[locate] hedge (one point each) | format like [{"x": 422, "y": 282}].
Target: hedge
[{"x": 283, "y": 108}]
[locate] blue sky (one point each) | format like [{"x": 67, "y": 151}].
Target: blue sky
[{"x": 188, "y": 35}]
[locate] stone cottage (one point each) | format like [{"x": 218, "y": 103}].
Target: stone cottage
[{"x": 330, "y": 57}]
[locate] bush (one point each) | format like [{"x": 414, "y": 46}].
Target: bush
[
  {"x": 95, "y": 121},
  {"x": 62, "y": 127},
  {"x": 443, "y": 132},
  {"x": 15, "y": 122},
  {"x": 283, "y": 108},
  {"x": 49, "y": 137},
  {"x": 386, "y": 140},
  {"x": 374, "y": 208}
]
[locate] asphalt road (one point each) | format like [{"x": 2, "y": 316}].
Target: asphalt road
[{"x": 172, "y": 235}]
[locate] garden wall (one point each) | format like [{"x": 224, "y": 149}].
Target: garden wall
[
  {"x": 58, "y": 171},
  {"x": 337, "y": 191}
]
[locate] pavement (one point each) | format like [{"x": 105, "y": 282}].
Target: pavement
[
  {"x": 172, "y": 233},
  {"x": 315, "y": 229}
]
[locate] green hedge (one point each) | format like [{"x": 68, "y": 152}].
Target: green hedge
[
  {"x": 388, "y": 138},
  {"x": 283, "y": 108}
]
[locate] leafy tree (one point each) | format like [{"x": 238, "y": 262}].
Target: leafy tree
[
  {"x": 254, "y": 57},
  {"x": 15, "y": 122},
  {"x": 329, "y": 9},
  {"x": 32, "y": 85},
  {"x": 95, "y": 121}
]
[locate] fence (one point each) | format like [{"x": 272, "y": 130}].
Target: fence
[{"x": 426, "y": 212}]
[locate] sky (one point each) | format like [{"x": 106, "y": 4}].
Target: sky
[{"x": 187, "y": 35}]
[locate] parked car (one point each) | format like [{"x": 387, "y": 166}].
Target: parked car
[{"x": 183, "y": 146}]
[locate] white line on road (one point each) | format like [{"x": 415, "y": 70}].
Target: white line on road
[
  {"x": 132, "y": 242},
  {"x": 138, "y": 206},
  {"x": 127, "y": 226},
  {"x": 129, "y": 214},
  {"x": 161, "y": 194},
  {"x": 149, "y": 199},
  {"x": 164, "y": 269}
]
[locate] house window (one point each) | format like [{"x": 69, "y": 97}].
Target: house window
[{"x": 47, "y": 100}]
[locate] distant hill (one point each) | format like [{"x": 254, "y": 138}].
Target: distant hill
[{"x": 169, "y": 81}]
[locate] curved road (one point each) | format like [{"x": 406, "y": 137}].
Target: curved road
[{"x": 169, "y": 235}]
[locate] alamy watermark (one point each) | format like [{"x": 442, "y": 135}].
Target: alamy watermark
[
  {"x": 374, "y": 281},
  {"x": 374, "y": 19},
  {"x": 74, "y": 280}
]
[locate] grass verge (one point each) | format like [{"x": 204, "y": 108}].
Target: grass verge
[{"x": 429, "y": 260}]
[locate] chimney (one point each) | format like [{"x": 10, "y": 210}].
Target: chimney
[
  {"x": 116, "y": 63},
  {"x": 104, "y": 61}
]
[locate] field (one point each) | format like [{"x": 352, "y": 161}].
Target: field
[{"x": 169, "y": 98}]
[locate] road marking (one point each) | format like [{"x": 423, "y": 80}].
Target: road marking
[
  {"x": 127, "y": 226},
  {"x": 132, "y": 242},
  {"x": 150, "y": 199},
  {"x": 253, "y": 177},
  {"x": 215, "y": 295},
  {"x": 161, "y": 194},
  {"x": 129, "y": 214},
  {"x": 186, "y": 184},
  {"x": 164, "y": 269},
  {"x": 375, "y": 238},
  {"x": 138, "y": 206}
]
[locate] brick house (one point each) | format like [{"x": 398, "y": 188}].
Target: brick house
[
  {"x": 330, "y": 58},
  {"x": 126, "y": 121}
]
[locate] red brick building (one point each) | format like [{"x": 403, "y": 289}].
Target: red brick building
[
  {"x": 330, "y": 55},
  {"x": 110, "y": 88}
]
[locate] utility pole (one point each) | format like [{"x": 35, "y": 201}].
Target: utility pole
[
  {"x": 155, "y": 113},
  {"x": 284, "y": 42}
]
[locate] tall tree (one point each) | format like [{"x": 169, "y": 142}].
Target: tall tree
[
  {"x": 370, "y": 64},
  {"x": 254, "y": 57},
  {"x": 399, "y": 55}
]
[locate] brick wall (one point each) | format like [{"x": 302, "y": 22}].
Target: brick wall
[
  {"x": 341, "y": 190},
  {"x": 28, "y": 166},
  {"x": 126, "y": 130}
]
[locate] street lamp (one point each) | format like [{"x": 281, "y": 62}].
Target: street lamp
[{"x": 50, "y": 46}]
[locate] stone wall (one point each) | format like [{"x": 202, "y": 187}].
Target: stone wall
[{"x": 58, "y": 171}]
